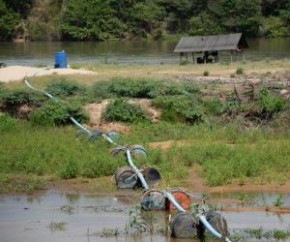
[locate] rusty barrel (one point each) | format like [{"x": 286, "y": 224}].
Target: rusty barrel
[
  {"x": 125, "y": 177},
  {"x": 183, "y": 225},
  {"x": 181, "y": 197}
]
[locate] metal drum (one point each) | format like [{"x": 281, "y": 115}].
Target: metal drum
[
  {"x": 184, "y": 225},
  {"x": 125, "y": 177},
  {"x": 153, "y": 200},
  {"x": 151, "y": 175},
  {"x": 218, "y": 222}
]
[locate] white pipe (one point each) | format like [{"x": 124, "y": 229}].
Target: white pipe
[
  {"x": 171, "y": 198},
  {"x": 106, "y": 137},
  {"x": 137, "y": 171},
  {"x": 202, "y": 218}
]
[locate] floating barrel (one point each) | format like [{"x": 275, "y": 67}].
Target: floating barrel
[
  {"x": 184, "y": 225},
  {"x": 181, "y": 197},
  {"x": 60, "y": 59},
  {"x": 218, "y": 222},
  {"x": 151, "y": 176},
  {"x": 125, "y": 177},
  {"x": 153, "y": 200}
]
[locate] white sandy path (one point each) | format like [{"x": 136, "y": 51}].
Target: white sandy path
[{"x": 17, "y": 73}]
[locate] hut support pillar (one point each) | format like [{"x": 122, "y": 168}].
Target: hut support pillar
[{"x": 193, "y": 58}]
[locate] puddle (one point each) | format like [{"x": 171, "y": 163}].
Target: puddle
[
  {"x": 57, "y": 216},
  {"x": 251, "y": 199}
]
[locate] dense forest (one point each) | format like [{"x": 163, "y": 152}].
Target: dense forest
[{"x": 128, "y": 19}]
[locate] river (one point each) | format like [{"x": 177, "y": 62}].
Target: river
[{"x": 124, "y": 52}]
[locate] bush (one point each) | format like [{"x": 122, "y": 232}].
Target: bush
[
  {"x": 121, "y": 110},
  {"x": 180, "y": 108},
  {"x": 143, "y": 88},
  {"x": 206, "y": 73},
  {"x": 56, "y": 113},
  {"x": 13, "y": 100},
  {"x": 240, "y": 71},
  {"x": 268, "y": 102},
  {"x": 64, "y": 89}
]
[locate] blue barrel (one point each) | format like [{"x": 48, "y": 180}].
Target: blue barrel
[{"x": 60, "y": 59}]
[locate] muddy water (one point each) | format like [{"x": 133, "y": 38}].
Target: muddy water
[{"x": 56, "y": 216}]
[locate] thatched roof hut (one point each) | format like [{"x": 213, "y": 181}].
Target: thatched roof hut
[{"x": 210, "y": 45}]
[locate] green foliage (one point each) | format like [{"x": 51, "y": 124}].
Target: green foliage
[
  {"x": 7, "y": 123},
  {"x": 69, "y": 170},
  {"x": 240, "y": 71},
  {"x": 204, "y": 24},
  {"x": 8, "y": 21},
  {"x": 180, "y": 108},
  {"x": 143, "y": 88},
  {"x": 64, "y": 89},
  {"x": 281, "y": 234},
  {"x": 121, "y": 110},
  {"x": 268, "y": 102},
  {"x": 56, "y": 113},
  {"x": 274, "y": 27},
  {"x": 279, "y": 201},
  {"x": 90, "y": 20},
  {"x": 13, "y": 100},
  {"x": 115, "y": 19},
  {"x": 213, "y": 106}
]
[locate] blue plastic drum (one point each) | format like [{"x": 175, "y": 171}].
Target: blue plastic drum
[{"x": 60, "y": 59}]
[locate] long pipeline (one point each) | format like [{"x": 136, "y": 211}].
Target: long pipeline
[
  {"x": 79, "y": 125},
  {"x": 131, "y": 163}
]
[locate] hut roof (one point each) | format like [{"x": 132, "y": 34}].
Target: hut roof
[{"x": 210, "y": 43}]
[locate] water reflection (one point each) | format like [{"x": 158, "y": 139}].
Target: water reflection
[
  {"x": 106, "y": 218},
  {"x": 124, "y": 52}
]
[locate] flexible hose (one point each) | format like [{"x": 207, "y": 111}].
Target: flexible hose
[{"x": 131, "y": 163}]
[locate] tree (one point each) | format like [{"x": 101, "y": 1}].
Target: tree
[
  {"x": 204, "y": 24},
  {"x": 146, "y": 17},
  {"x": 8, "y": 21},
  {"x": 21, "y": 7},
  {"x": 43, "y": 20},
  {"x": 178, "y": 14},
  {"x": 238, "y": 15},
  {"x": 89, "y": 20}
]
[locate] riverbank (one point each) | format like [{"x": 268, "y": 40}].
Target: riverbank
[
  {"x": 18, "y": 73},
  {"x": 215, "y": 78}
]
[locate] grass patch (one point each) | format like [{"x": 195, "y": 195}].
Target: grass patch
[
  {"x": 57, "y": 226},
  {"x": 204, "y": 130}
]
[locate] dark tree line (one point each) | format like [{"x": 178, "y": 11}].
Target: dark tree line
[{"x": 127, "y": 19}]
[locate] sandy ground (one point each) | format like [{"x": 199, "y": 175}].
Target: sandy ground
[{"x": 17, "y": 73}]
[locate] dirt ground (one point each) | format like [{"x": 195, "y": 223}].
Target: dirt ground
[{"x": 17, "y": 73}]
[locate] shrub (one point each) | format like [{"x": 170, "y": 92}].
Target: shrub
[
  {"x": 56, "y": 113},
  {"x": 206, "y": 73},
  {"x": 13, "y": 100},
  {"x": 240, "y": 71},
  {"x": 268, "y": 102},
  {"x": 180, "y": 108},
  {"x": 143, "y": 88},
  {"x": 64, "y": 89},
  {"x": 121, "y": 110}
]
